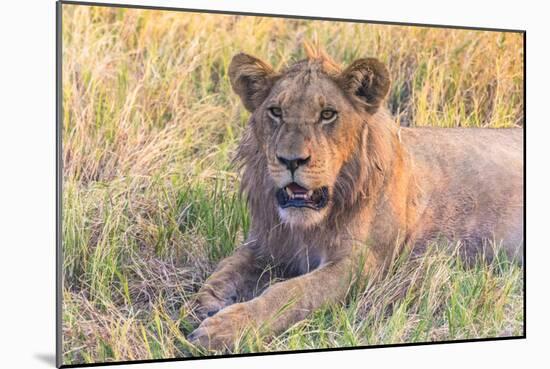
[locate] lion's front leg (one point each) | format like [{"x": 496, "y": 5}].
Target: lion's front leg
[
  {"x": 234, "y": 279},
  {"x": 277, "y": 308}
]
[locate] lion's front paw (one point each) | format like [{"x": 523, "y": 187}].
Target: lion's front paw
[
  {"x": 221, "y": 331},
  {"x": 211, "y": 299}
]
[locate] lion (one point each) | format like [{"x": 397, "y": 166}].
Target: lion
[{"x": 328, "y": 176}]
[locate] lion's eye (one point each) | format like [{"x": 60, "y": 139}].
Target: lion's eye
[
  {"x": 275, "y": 112},
  {"x": 328, "y": 115}
]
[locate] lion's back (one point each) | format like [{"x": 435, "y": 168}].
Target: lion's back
[{"x": 471, "y": 185}]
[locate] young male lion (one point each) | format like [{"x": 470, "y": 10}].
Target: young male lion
[{"x": 328, "y": 175}]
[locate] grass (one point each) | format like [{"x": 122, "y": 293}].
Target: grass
[{"x": 150, "y": 200}]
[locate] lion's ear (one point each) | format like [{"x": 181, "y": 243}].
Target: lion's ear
[
  {"x": 368, "y": 81},
  {"x": 251, "y": 79}
]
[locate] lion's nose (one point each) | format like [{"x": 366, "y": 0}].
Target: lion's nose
[{"x": 293, "y": 164}]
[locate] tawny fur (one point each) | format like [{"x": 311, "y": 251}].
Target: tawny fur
[{"x": 390, "y": 187}]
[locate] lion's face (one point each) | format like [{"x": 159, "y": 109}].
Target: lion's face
[
  {"x": 307, "y": 131},
  {"x": 309, "y": 120}
]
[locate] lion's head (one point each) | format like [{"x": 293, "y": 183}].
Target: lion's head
[{"x": 309, "y": 128}]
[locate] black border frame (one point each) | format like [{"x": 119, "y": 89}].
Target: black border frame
[{"x": 59, "y": 181}]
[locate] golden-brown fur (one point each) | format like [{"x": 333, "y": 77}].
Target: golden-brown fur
[{"x": 387, "y": 187}]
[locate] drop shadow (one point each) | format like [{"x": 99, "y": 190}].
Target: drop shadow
[{"x": 46, "y": 358}]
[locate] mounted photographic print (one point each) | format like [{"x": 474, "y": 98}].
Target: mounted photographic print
[{"x": 241, "y": 184}]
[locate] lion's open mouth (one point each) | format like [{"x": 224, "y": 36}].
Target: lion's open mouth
[{"x": 294, "y": 195}]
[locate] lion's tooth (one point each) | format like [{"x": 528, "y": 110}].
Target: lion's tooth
[
  {"x": 289, "y": 192},
  {"x": 310, "y": 193}
]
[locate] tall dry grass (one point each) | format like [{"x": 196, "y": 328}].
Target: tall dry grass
[{"x": 150, "y": 200}]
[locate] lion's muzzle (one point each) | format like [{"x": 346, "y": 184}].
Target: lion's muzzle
[{"x": 294, "y": 195}]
